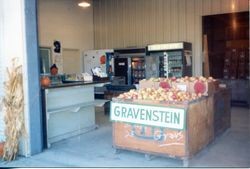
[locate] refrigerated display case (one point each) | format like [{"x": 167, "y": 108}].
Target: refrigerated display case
[
  {"x": 121, "y": 68},
  {"x": 138, "y": 69},
  {"x": 92, "y": 59},
  {"x": 174, "y": 59},
  {"x": 130, "y": 63}
]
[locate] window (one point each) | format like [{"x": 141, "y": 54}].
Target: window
[{"x": 45, "y": 62}]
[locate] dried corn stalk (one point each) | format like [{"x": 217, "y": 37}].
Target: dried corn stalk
[{"x": 13, "y": 107}]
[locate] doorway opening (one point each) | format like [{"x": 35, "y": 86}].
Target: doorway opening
[{"x": 228, "y": 50}]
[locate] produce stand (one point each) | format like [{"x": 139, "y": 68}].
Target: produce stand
[{"x": 171, "y": 129}]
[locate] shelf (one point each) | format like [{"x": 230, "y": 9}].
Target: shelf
[
  {"x": 76, "y": 107},
  {"x": 139, "y": 77},
  {"x": 180, "y": 65},
  {"x": 179, "y": 57},
  {"x": 138, "y": 69},
  {"x": 100, "y": 102}
]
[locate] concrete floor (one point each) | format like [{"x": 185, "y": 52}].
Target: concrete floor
[{"x": 94, "y": 149}]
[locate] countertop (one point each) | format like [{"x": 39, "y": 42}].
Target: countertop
[{"x": 78, "y": 83}]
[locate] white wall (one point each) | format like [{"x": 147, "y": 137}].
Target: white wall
[
  {"x": 11, "y": 42},
  {"x": 69, "y": 60},
  {"x": 12, "y": 45},
  {"x": 123, "y": 23},
  {"x": 65, "y": 21},
  {"x": 2, "y": 137}
]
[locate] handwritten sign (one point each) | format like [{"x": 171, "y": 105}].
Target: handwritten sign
[{"x": 182, "y": 87}]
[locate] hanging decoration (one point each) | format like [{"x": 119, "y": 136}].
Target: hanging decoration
[
  {"x": 57, "y": 57},
  {"x": 102, "y": 59}
]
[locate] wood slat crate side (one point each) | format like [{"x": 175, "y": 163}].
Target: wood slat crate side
[
  {"x": 200, "y": 125},
  {"x": 227, "y": 119},
  {"x": 199, "y": 132},
  {"x": 222, "y": 111},
  {"x": 148, "y": 139}
]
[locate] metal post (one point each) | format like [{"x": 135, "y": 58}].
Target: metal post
[{"x": 166, "y": 62}]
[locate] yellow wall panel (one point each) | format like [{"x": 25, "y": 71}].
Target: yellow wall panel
[
  {"x": 243, "y": 5},
  {"x": 174, "y": 14},
  {"x": 197, "y": 53},
  {"x": 166, "y": 20},
  {"x": 225, "y": 6},
  {"x": 159, "y": 28},
  {"x": 206, "y": 7},
  {"x": 124, "y": 23},
  {"x": 216, "y": 6},
  {"x": 182, "y": 25}
]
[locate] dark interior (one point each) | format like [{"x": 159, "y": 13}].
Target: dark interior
[{"x": 228, "y": 40}]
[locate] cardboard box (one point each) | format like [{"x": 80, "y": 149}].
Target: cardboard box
[
  {"x": 148, "y": 84},
  {"x": 209, "y": 87},
  {"x": 162, "y": 82}
]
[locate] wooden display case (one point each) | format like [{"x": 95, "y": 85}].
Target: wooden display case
[
  {"x": 167, "y": 137},
  {"x": 222, "y": 110}
]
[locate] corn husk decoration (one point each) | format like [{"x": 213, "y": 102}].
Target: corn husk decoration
[{"x": 13, "y": 107}]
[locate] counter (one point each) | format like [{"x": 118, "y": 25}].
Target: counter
[
  {"x": 68, "y": 110},
  {"x": 77, "y": 83}
]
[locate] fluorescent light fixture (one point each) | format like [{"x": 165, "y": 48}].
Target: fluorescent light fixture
[{"x": 84, "y": 4}]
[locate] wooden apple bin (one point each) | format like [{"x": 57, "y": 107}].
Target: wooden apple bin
[{"x": 198, "y": 131}]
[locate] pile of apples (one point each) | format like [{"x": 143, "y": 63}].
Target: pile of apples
[
  {"x": 194, "y": 84},
  {"x": 182, "y": 79},
  {"x": 194, "y": 79},
  {"x": 160, "y": 94},
  {"x": 168, "y": 91}
]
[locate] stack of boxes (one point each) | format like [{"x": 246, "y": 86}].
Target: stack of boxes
[
  {"x": 236, "y": 64},
  {"x": 247, "y": 63},
  {"x": 189, "y": 84},
  {"x": 242, "y": 65},
  {"x": 227, "y": 63}
]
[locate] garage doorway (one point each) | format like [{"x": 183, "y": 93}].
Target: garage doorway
[{"x": 228, "y": 50}]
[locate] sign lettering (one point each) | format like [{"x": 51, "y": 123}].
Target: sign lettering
[{"x": 148, "y": 115}]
